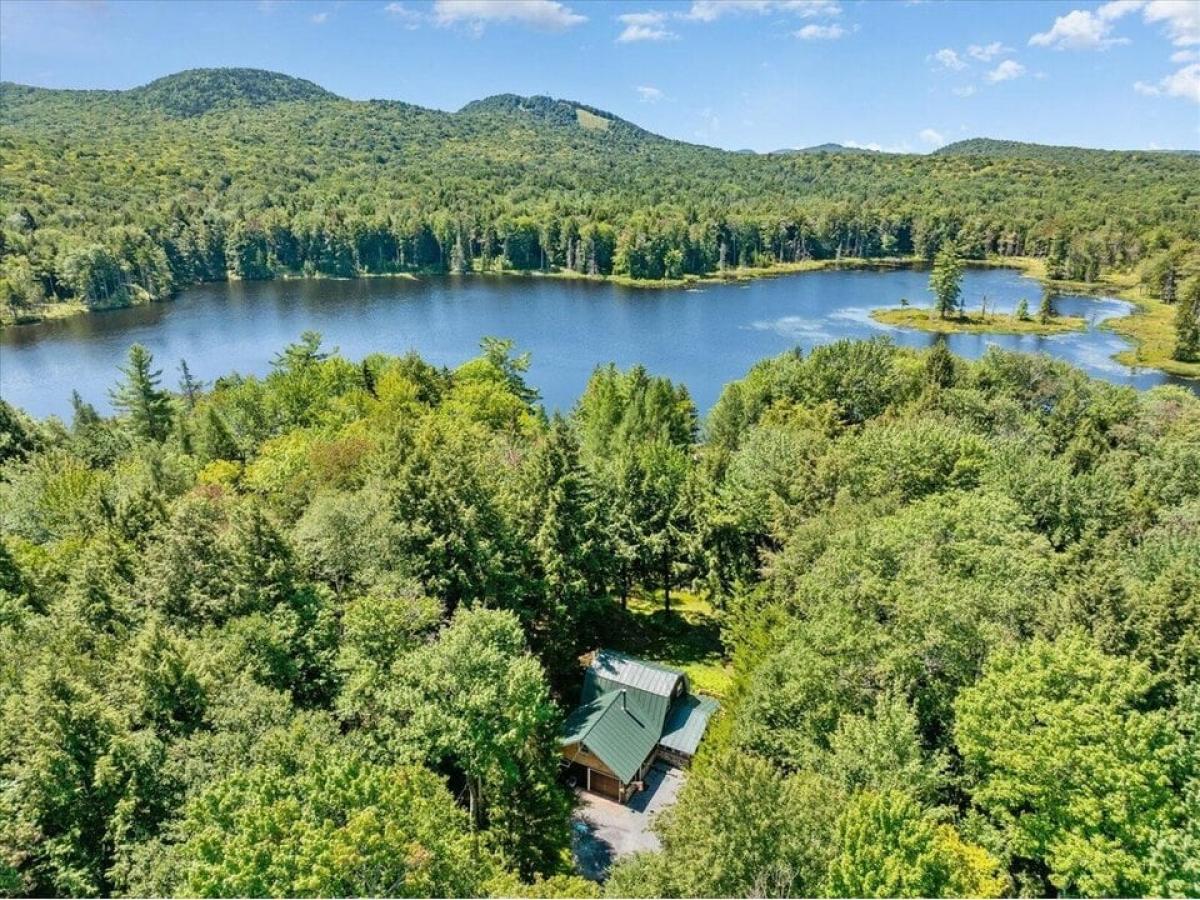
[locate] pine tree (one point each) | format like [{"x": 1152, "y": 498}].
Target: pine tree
[
  {"x": 1046, "y": 308},
  {"x": 946, "y": 279},
  {"x": 189, "y": 386},
  {"x": 140, "y": 397}
]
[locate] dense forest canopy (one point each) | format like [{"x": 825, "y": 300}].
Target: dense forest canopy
[
  {"x": 113, "y": 197},
  {"x": 341, "y": 606}
]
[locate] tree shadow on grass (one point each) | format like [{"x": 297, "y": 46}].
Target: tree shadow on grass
[{"x": 690, "y": 633}]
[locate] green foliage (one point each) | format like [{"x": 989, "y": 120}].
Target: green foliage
[
  {"x": 1187, "y": 321},
  {"x": 951, "y": 609},
  {"x": 740, "y": 829},
  {"x": 1069, "y": 761},
  {"x": 477, "y": 699},
  {"x": 887, "y": 846},
  {"x": 337, "y": 826}
]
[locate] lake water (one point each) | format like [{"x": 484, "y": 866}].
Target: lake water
[{"x": 704, "y": 337}]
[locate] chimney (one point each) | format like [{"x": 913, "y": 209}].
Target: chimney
[{"x": 623, "y": 706}]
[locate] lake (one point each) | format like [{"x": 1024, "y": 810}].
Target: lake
[{"x": 704, "y": 336}]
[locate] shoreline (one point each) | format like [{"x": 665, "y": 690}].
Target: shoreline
[{"x": 1149, "y": 327}]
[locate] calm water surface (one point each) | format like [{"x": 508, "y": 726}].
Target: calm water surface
[{"x": 704, "y": 337}]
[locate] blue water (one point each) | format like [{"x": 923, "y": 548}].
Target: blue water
[{"x": 704, "y": 337}]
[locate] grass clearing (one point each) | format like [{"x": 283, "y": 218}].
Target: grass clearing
[{"x": 688, "y": 638}]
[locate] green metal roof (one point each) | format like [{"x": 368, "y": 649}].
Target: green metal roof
[
  {"x": 686, "y": 723},
  {"x": 648, "y": 687},
  {"x": 629, "y": 706},
  {"x": 614, "y": 731}
]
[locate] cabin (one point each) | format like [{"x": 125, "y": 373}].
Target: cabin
[{"x": 630, "y": 714}]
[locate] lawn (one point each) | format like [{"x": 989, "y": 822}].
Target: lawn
[{"x": 688, "y": 638}]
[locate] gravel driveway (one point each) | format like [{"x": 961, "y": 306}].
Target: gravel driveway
[{"x": 603, "y": 831}]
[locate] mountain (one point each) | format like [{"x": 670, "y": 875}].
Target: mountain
[
  {"x": 997, "y": 149},
  {"x": 112, "y": 197},
  {"x": 825, "y": 148},
  {"x": 195, "y": 92},
  {"x": 548, "y": 110}
]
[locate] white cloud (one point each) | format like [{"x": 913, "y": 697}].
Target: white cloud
[
  {"x": 648, "y": 94},
  {"x": 965, "y": 91},
  {"x": 1006, "y": 71},
  {"x": 1185, "y": 83},
  {"x": 811, "y": 8},
  {"x": 820, "y": 32},
  {"x": 1082, "y": 29},
  {"x": 409, "y": 18},
  {"x": 642, "y": 18},
  {"x": 949, "y": 59},
  {"x": 931, "y": 137},
  {"x": 987, "y": 52},
  {"x": 1182, "y": 56},
  {"x": 1091, "y": 30},
  {"x": 902, "y": 147},
  {"x": 711, "y": 10},
  {"x": 320, "y": 18},
  {"x": 547, "y": 15},
  {"x": 1182, "y": 18},
  {"x": 634, "y": 33},
  {"x": 644, "y": 26}
]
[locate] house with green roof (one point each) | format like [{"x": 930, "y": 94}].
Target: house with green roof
[{"x": 631, "y": 713}]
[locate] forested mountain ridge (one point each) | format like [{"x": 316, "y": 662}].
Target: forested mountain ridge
[
  {"x": 1026, "y": 150},
  {"x": 959, "y": 600},
  {"x": 114, "y": 197}
]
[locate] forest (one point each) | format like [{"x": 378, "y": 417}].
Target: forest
[
  {"x": 109, "y": 198},
  {"x": 313, "y": 634}
]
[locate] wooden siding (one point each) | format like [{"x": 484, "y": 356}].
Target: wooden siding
[{"x": 578, "y": 754}]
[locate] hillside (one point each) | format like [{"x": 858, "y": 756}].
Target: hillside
[{"x": 115, "y": 197}]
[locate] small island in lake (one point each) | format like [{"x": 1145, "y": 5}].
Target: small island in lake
[{"x": 994, "y": 323}]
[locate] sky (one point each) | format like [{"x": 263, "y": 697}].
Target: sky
[{"x": 898, "y": 75}]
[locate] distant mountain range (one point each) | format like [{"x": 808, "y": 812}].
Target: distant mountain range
[
  {"x": 196, "y": 92},
  {"x": 114, "y": 197}
]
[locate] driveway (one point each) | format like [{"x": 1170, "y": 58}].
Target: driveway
[{"x": 603, "y": 831}]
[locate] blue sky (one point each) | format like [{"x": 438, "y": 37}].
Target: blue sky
[{"x": 759, "y": 74}]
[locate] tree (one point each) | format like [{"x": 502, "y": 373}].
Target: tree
[
  {"x": 1046, "y": 307},
  {"x": 885, "y": 845},
  {"x": 567, "y": 558},
  {"x": 140, "y": 398},
  {"x": 189, "y": 387},
  {"x": 741, "y": 829},
  {"x": 1068, "y": 758},
  {"x": 477, "y": 699},
  {"x": 54, "y": 809},
  {"x": 1187, "y": 321},
  {"x": 337, "y": 827},
  {"x": 946, "y": 279}
]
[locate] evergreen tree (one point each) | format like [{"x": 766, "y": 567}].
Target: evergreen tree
[
  {"x": 946, "y": 279},
  {"x": 140, "y": 397},
  {"x": 189, "y": 388},
  {"x": 1046, "y": 307}
]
